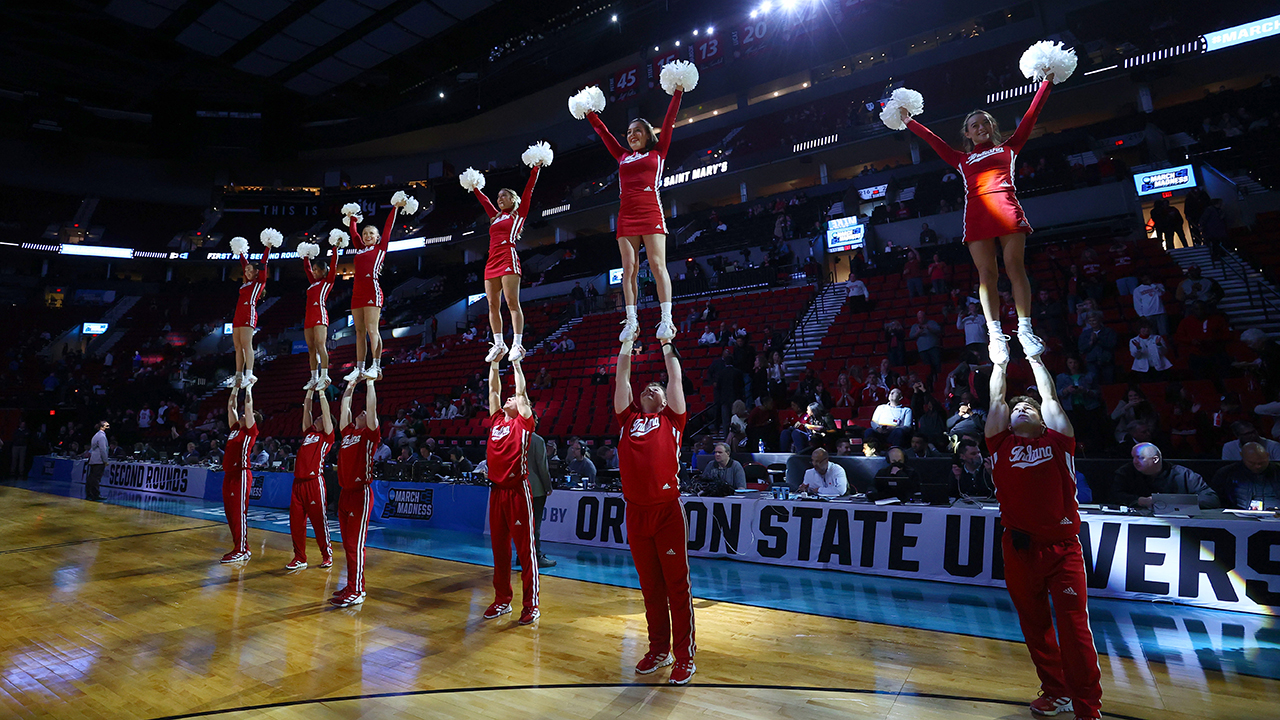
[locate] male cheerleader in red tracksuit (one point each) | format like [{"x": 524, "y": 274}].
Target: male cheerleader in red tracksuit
[
  {"x": 307, "y": 501},
  {"x": 649, "y": 464},
  {"x": 237, "y": 478},
  {"x": 992, "y": 213},
  {"x": 510, "y": 499},
  {"x": 360, "y": 440},
  {"x": 502, "y": 270},
  {"x": 1032, "y": 446}
]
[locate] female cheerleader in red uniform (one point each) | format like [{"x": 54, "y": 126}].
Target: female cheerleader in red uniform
[
  {"x": 252, "y": 289},
  {"x": 640, "y": 215},
  {"x": 502, "y": 271},
  {"x": 315, "y": 328},
  {"x": 992, "y": 213},
  {"x": 366, "y": 296}
]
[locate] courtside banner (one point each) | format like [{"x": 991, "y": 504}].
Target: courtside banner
[
  {"x": 149, "y": 478},
  {"x": 1219, "y": 563},
  {"x": 430, "y": 505}
]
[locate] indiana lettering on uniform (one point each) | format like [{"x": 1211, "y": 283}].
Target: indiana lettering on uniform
[
  {"x": 979, "y": 156},
  {"x": 643, "y": 426},
  {"x": 408, "y": 503},
  {"x": 1025, "y": 456},
  {"x": 499, "y": 432},
  {"x": 158, "y": 478}
]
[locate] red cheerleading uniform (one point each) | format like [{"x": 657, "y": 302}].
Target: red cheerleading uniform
[
  {"x": 366, "y": 291},
  {"x": 237, "y": 479},
  {"x": 1036, "y": 486},
  {"x": 649, "y": 466},
  {"x": 307, "y": 502},
  {"x": 504, "y": 231},
  {"x": 991, "y": 208},
  {"x": 318, "y": 292},
  {"x": 640, "y": 176},
  {"x": 251, "y": 294},
  {"x": 355, "y": 472},
  {"x": 511, "y": 507}
]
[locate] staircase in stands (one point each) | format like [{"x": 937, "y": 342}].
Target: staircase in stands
[
  {"x": 1237, "y": 278},
  {"x": 554, "y": 337},
  {"x": 813, "y": 326}
]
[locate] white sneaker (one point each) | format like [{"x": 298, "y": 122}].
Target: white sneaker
[
  {"x": 311, "y": 384},
  {"x": 666, "y": 330},
  {"x": 630, "y": 331},
  {"x": 496, "y": 350},
  {"x": 250, "y": 379},
  {"x": 373, "y": 372},
  {"x": 1032, "y": 345},
  {"x": 998, "y": 349},
  {"x": 235, "y": 380},
  {"x": 324, "y": 381},
  {"x": 516, "y": 354},
  {"x": 354, "y": 375}
]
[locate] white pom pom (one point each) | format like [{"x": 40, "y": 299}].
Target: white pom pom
[
  {"x": 239, "y": 246},
  {"x": 471, "y": 179},
  {"x": 399, "y": 199},
  {"x": 272, "y": 238},
  {"x": 901, "y": 98},
  {"x": 410, "y": 206},
  {"x": 539, "y": 153},
  {"x": 586, "y": 100},
  {"x": 351, "y": 209},
  {"x": 680, "y": 73},
  {"x": 1047, "y": 57},
  {"x": 338, "y": 238},
  {"x": 307, "y": 250}
]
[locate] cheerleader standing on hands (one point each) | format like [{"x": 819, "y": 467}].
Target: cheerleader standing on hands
[
  {"x": 366, "y": 295},
  {"x": 640, "y": 216},
  {"x": 502, "y": 271},
  {"x": 315, "y": 328},
  {"x": 991, "y": 210},
  {"x": 252, "y": 289}
]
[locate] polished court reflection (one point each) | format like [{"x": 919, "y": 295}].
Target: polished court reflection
[{"x": 121, "y": 610}]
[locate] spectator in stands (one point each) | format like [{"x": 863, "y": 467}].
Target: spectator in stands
[
  {"x": 1097, "y": 346},
  {"x": 737, "y": 436},
  {"x": 890, "y": 423},
  {"x": 144, "y": 416},
  {"x": 928, "y": 336},
  {"x": 859, "y": 296},
  {"x": 896, "y": 338},
  {"x": 1197, "y": 288},
  {"x": 1271, "y": 410},
  {"x": 1133, "y": 407},
  {"x": 927, "y": 235},
  {"x": 974, "y": 326},
  {"x": 601, "y": 376},
  {"x": 1194, "y": 205},
  {"x": 1081, "y": 398},
  {"x": 191, "y": 455},
  {"x": 808, "y": 431},
  {"x": 825, "y": 477},
  {"x": 579, "y": 464},
  {"x": 543, "y": 381},
  {"x": 875, "y": 391},
  {"x": 968, "y": 421},
  {"x": 1252, "y": 483},
  {"x": 847, "y": 392},
  {"x": 913, "y": 272},
  {"x": 1049, "y": 315},
  {"x": 930, "y": 419},
  {"x": 970, "y": 476},
  {"x": 1265, "y": 368},
  {"x": 1148, "y": 302},
  {"x": 844, "y": 448},
  {"x": 759, "y": 380},
  {"x": 1246, "y": 433},
  {"x": 1149, "y": 353},
  {"x": 724, "y": 470},
  {"x": 1135, "y": 482},
  {"x": 1213, "y": 227},
  {"x": 1203, "y": 337},
  {"x": 777, "y": 378},
  {"x": 938, "y": 273},
  {"x": 686, "y": 325},
  {"x": 1122, "y": 267},
  {"x": 1092, "y": 277},
  {"x": 726, "y": 381},
  {"x": 579, "y": 297},
  {"x": 565, "y": 345},
  {"x": 1168, "y": 222},
  {"x": 920, "y": 448},
  {"x": 460, "y": 462}
]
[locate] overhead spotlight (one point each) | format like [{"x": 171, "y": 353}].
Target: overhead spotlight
[
  {"x": 695, "y": 32},
  {"x": 655, "y": 48},
  {"x": 677, "y": 43},
  {"x": 754, "y": 13},
  {"x": 788, "y": 5},
  {"x": 441, "y": 96},
  {"x": 613, "y": 18},
  {"x": 711, "y": 30},
  {"x": 766, "y": 6}
]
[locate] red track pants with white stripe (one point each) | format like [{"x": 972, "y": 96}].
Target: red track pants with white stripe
[
  {"x": 1066, "y": 662},
  {"x": 511, "y": 519},
  {"x": 307, "y": 503},
  {"x": 354, "y": 505},
  {"x": 235, "y": 503},
  {"x": 657, "y": 536}
]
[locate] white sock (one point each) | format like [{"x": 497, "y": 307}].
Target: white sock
[
  {"x": 631, "y": 313},
  {"x": 1024, "y": 325},
  {"x": 993, "y": 328},
  {"x": 516, "y": 339},
  {"x": 666, "y": 311}
]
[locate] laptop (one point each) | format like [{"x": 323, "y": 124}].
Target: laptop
[
  {"x": 1174, "y": 505},
  {"x": 936, "y": 493},
  {"x": 902, "y": 487}
]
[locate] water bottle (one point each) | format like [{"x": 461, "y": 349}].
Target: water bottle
[{"x": 762, "y": 445}]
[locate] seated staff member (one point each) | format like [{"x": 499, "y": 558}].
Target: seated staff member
[
  {"x": 237, "y": 477},
  {"x": 307, "y": 501},
  {"x": 649, "y": 468},
  {"x": 825, "y": 477},
  {"x": 1033, "y": 465},
  {"x": 510, "y": 499},
  {"x": 360, "y": 440}
]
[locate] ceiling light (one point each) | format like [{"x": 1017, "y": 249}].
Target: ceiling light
[
  {"x": 441, "y": 96},
  {"x": 695, "y": 32},
  {"x": 754, "y": 13},
  {"x": 711, "y": 30},
  {"x": 613, "y": 18}
]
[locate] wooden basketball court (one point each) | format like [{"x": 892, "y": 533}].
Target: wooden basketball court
[{"x": 114, "y": 612}]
